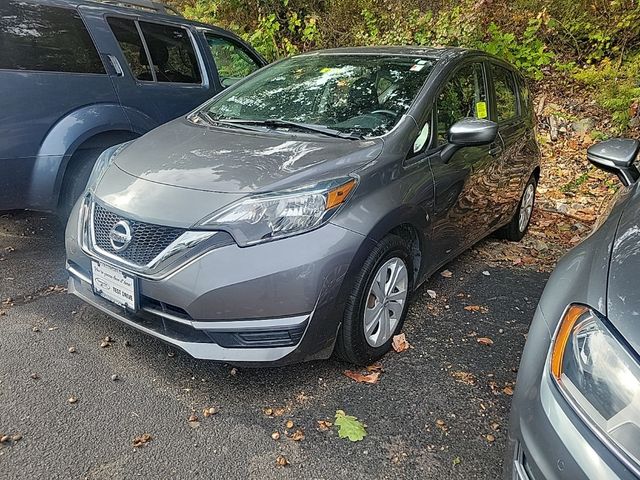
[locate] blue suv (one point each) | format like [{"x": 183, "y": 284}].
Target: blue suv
[{"x": 77, "y": 77}]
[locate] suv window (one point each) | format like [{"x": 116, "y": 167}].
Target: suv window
[
  {"x": 172, "y": 54},
  {"x": 51, "y": 39},
  {"x": 132, "y": 47},
  {"x": 464, "y": 95},
  {"x": 232, "y": 60},
  {"x": 506, "y": 93}
]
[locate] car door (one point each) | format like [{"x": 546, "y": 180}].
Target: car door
[
  {"x": 232, "y": 60},
  {"x": 157, "y": 69},
  {"x": 514, "y": 132},
  {"x": 467, "y": 185}
]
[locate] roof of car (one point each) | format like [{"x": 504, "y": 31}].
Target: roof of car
[{"x": 433, "y": 52}]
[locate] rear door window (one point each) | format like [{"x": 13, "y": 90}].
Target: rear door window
[
  {"x": 464, "y": 96},
  {"x": 48, "y": 39},
  {"x": 172, "y": 54},
  {"x": 504, "y": 83},
  {"x": 132, "y": 47},
  {"x": 232, "y": 60}
]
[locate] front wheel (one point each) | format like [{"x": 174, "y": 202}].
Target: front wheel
[
  {"x": 519, "y": 224},
  {"x": 377, "y": 306}
]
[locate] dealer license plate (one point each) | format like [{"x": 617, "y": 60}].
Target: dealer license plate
[{"x": 114, "y": 285}]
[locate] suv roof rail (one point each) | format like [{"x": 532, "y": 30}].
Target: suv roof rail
[{"x": 146, "y": 5}]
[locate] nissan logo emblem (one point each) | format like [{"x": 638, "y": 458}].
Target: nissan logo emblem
[{"x": 120, "y": 235}]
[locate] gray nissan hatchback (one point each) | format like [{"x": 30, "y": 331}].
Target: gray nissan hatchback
[{"x": 294, "y": 214}]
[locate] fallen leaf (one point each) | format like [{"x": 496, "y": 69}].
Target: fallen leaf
[
  {"x": 297, "y": 436},
  {"x": 441, "y": 424},
  {"x": 373, "y": 377},
  {"x": 268, "y": 411},
  {"x": 490, "y": 438},
  {"x": 4, "y": 438},
  {"x": 464, "y": 377},
  {"x": 446, "y": 274},
  {"x": 432, "y": 294},
  {"x": 281, "y": 461},
  {"x": 324, "y": 425},
  {"x": 349, "y": 427},
  {"x": 233, "y": 371},
  {"x": 485, "y": 341},
  {"x": 72, "y": 349},
  {"x": 486, "y": 273},
  {"x": 35, "y": 376},
  {"x": 495, "y": 426},
  {"x": 456, "y": 461},
  {"x": 476, "y": 308},
  {"x": 104, "y": 344},
  {"x": 400, "y": 343},
  {"x": 508, "y": 390},
  {"x": 141, "y": 440},
  {"x": 376, "y": 367},
  {"x": 72, "y": 400},
  {"x": 16, "y": 437}
]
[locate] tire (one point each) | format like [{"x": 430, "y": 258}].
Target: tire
[
  {"x": 75, "y": 179},
  {"x": 352, "y": 344},
  {"x": 515, "y": 230}
]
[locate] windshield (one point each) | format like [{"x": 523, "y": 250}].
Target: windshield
[{"x": 362, "y": 94}]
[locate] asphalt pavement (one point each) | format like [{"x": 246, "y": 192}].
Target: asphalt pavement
[{"x": 439, "y": 411}]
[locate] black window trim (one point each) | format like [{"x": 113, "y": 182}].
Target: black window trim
[
  {"x": 518, "y": 116},
  {"x": 56, "y": 72},
  {"x": 136, "y": 19}
]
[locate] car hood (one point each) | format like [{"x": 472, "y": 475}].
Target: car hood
[
  {"x": 623, "y": 286},
  {"x": 227, "y": 160}
]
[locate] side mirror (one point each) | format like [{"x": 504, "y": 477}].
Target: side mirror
[
  {"x": 616, "y": 156},
  {"x": 469, "y": 132}
]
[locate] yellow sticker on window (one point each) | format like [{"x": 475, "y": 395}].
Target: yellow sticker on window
[{"x": 481, "y": 110}]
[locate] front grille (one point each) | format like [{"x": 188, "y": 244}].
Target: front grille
[{"x": 148, "y": 240}]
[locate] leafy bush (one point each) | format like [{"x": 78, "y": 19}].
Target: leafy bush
[
  {"x": 528, "y": 54},
  {"x": 615, "y": 86}
]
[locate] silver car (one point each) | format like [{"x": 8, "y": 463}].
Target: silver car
[
  {"x": 294, "y": 214},
  {"x": 576, "y": 410}
]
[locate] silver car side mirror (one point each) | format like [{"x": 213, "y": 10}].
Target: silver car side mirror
[
  {"x": 469, "y": 132},
  {"x": 617, "y": 156}
]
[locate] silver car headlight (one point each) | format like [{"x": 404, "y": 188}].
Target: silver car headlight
[
  {"x": 599, "y": 373},
  {"x": 265, "y": 217},
  {"x": 103, "y": 162}
]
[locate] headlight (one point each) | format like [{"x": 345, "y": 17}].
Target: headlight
[
  {"x": 269, "y": 216},
  {"x": 105, "y": 159},
  {"x": 599, "y": 373}
]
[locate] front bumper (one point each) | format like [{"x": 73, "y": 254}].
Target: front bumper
[
  {"x": 547, "y": 439},
  {"x": 279, "y": 302}
]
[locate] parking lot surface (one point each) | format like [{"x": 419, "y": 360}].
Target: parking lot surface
[{"x": 439, "y": 410}]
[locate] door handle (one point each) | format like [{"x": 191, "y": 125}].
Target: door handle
[
  {"x": 494, "y": 151},
  {"x": 115, "y": 63}
]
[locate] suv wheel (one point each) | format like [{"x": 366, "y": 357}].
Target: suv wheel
[
  {"x": 377, "y": 306},
  {"x": 519, "y": 224}
]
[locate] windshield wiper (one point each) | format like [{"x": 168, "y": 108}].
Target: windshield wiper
[
  {"x": 279, "y": 123},
  {"x": 212, "y": 121}
]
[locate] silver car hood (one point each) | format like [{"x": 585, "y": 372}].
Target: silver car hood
[
  {"x": 623, "y": 286},
  {"x": 227, "y": 160}
]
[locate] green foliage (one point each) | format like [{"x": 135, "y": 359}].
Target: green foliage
[
  {"x": 349, "y": 427},
  {"x": 564, "y": 35},
  {"x": 528, "y": 54},
  {"x": 616, "y": 87}
]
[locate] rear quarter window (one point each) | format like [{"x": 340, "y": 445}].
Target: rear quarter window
[{"x": 43, "y": 38}]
